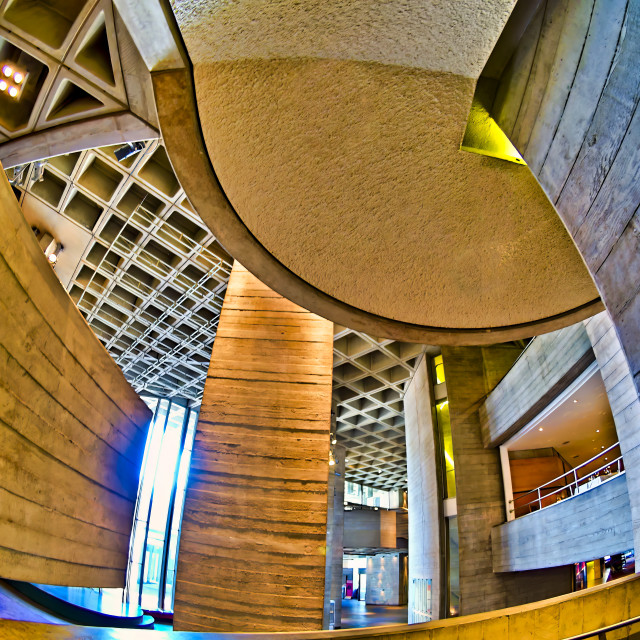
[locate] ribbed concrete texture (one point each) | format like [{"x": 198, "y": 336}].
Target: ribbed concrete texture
[
  {"x": 424, "y": 489},
  {"x": 479, "y": 489},
  {"x": 72, "y": 430},
  {"x": 568, "y": 99},
  {"x": 253, "y": 538},
  {"x": 564, "y": 617},
  {"x": 625, "y": 404},
  {"x": 590, "y": 525}
]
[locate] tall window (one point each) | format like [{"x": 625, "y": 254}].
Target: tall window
[{"x": 163, "y": 479}]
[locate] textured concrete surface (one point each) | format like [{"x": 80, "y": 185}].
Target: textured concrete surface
[
  {"x": 590, "y": 525},
  {"x": 324, "y": 159},
  {"x": 72, "y": 430},
  {"x": 254, "y": 530},
  {"x": 455, "y": 37},
  {"x": 560, "y": 617},
  {"x": 424, "y": 489},
  {"x": 335, "y": 129}
]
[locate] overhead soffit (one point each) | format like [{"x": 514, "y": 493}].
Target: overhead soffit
[{"x": 335, "y": 131}]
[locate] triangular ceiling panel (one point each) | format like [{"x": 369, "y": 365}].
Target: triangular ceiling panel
[
  {"x": 72, "y": 98},
  {"x": 94, "y": 52}
]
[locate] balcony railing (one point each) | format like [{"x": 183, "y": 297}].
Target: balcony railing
[{"x": 568, "y": 484}]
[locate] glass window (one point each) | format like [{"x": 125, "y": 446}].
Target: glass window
[{"x": 159, "y": 509}]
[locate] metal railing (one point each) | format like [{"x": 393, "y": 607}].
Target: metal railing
[
  {"x": 573, "y": 487},
  {"x": 601, "y": 633}
]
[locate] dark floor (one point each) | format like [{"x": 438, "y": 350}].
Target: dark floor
[{"x": 356, "y": 615}]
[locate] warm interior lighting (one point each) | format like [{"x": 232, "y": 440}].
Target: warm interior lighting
[
  {"x": 53, "y": 258},
  {"x": 540, "y": 429},
  {"x": 483, "y": 135},
  {"x": 449, "y": 459},
  {"x": 14, "y": 82}
]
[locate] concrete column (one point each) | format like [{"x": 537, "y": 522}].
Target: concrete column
[
  {"x": 253, "y": 538},
  {"x": 471, "y": 372},
  {"x": 335, "y": 535},
  {"x": 424, "y": 491},
  {"x": 625, "y": 404}
]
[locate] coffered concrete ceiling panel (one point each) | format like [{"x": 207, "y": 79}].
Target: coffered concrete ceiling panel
[{"x": 335, "y": 129}]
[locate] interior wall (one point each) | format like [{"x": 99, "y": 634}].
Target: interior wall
[
  {"x": 253, "y": 537},
  {"x": 72, "y": 430},
  {"x": 568, "y": 101},
  {"x": 479, "y": 491}
]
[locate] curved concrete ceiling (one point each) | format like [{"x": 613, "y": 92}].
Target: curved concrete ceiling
[{"x": 334, "y": 129}]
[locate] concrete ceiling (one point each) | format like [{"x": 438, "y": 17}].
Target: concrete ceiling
[
  {"x": 578, "y": 428},
  {"x": 335, "y": 129},
  {"x": 150, "y": 280}
]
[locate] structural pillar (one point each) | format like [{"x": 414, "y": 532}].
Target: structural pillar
[
  {"x": 424, "y": 496},
  {"x": 253, "y": 538},
  {"x": 471, "y": 373},
  {"x": 625, "y": 404},
  {"x": 335, "y": 535}
]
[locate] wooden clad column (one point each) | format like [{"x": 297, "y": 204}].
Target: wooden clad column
[{"x": 252, "y": 545}]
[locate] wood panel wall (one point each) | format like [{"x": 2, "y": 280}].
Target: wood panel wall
[
  {"x": 252, "y": 545},
  {"x": 72, "y": 430},
  {"x": 568, "y": 100},
  {"x": 480, "y": 492}
]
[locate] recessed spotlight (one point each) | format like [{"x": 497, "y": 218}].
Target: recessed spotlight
[
  {"x": 13, "y": 91},
  {"x": 606, "y": 458},
  {"x": 575, "y": 401},
  {"x": 597, "y": 430},
  {"x": 7, "y": 70},
  {"x": 18, "y": 77},
  {"x": 53, "y": 258},
  {"x": 3, "y": 85},
  {"x": 540, "y": 429},
  {"x": 334, "y": 441},
  {"x": 602, "y": 447}
]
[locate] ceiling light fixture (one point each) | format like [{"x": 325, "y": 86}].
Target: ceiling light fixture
[
  {"x": 540, "y": 429},
  {"x": 12, "y": 81},
  {"x": 576, "y": 401},
  {"x": 597, "y": 430}
]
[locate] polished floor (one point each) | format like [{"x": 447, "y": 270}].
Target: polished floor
[{"x": 356, "y": 615}]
